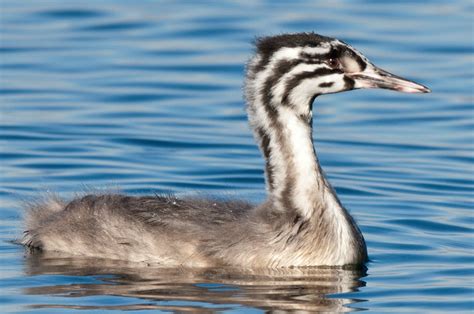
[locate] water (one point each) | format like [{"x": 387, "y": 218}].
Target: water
[{"x": 145, "y": 97}]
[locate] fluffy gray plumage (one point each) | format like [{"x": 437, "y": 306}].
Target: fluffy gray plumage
[{"x": 172, "y": 232}]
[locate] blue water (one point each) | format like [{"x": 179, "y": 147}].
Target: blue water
[{"x": 145, "y": 97}]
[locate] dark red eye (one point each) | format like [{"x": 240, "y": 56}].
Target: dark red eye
[{"x": 333, "y": 63}]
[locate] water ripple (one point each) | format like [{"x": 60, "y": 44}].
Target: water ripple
[
  {"x": 115, "y": 26},
  {"x": 79, "y": 13}
]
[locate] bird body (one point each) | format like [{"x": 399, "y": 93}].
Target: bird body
[
  {"x": 168, "y": 231},
  {"x": 302, "y": 222}
]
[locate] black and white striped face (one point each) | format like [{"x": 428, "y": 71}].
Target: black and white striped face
[{"x": 292, "y": 69}]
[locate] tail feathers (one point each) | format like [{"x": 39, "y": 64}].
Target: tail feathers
[{"x": 37, "y": 214}]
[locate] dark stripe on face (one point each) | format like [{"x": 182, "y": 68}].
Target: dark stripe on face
[
  {"x": 297, "y": 79},
  {"x": 304, "y": 57},
  {"x": 280, "y": 69},
  {"x": 348, "y": 83},
  {"x": 265, "y": 145},
  {"x": 326, "y": 84},
  {"x": 313, "y": 58},
  {"x": 362, "y": 64}
]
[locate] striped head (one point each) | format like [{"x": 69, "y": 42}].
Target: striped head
[{"x": 292, "y": 69}]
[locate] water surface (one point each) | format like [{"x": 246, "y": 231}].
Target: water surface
[{"x": 145, "y": 97}]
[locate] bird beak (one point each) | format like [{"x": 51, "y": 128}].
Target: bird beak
[{"x": 373, "y": 77}]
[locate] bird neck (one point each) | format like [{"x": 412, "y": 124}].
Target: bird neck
[{"x": 294, "y": 178}]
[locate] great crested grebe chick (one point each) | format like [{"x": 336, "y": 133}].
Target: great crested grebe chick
[{"x": 302, "y": 223}]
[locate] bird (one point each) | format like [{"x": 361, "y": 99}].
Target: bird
[{"x": 301, "y": 223}]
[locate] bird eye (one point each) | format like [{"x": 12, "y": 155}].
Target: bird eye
[{"x": 333, "y": 63}]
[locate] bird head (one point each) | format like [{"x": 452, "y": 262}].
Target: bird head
[{"x": 292, "y": 69}]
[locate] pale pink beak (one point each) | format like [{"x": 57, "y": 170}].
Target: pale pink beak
[{"x": 374, "y": 77}]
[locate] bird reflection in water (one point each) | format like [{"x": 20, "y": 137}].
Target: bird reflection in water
[{"x": 194, "y": 289}]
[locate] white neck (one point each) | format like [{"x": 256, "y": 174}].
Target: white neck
[
  {"x": 279, "y": 110},
  {"x": 294, "y": 177},
  {"x": 296, "y": 183},
  {"x": 301, "y": 183}
]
